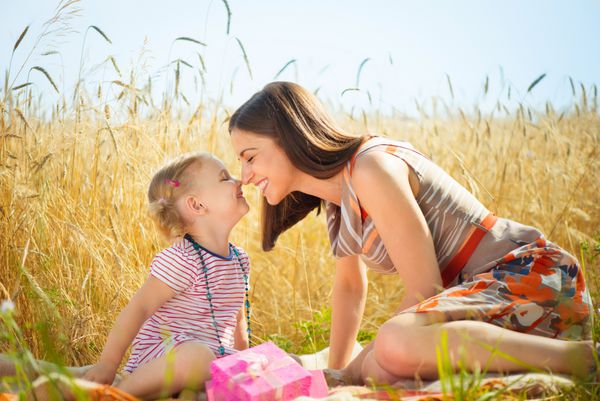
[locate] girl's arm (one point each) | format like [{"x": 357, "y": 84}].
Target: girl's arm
[
  {"x": 240, "y": 335},
  {"x": 386, "y": 192},
  {"x": 144, "y": 303},
  {"x": 348, "y": 304}
]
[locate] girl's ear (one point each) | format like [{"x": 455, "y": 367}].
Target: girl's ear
[{"x": 195, "y": 206}]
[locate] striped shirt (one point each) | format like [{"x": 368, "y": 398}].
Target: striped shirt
[
  {"x": 450, "y": 210},
  {"x": 187, "y": 316}
]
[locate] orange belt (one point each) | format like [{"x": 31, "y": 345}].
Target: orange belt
[{"x": 459, "y": 260}]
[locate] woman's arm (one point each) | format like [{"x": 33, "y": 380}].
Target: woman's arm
[
  {"x": 348, "y": 305},
  {"x": 240, "y": 335},
  {"x": 382, "y": 184},
  {"x": 144, "y": 303}
]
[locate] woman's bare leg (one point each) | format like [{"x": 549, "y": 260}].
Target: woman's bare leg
[
  {"x": 405, "y": 347},
  {"x": 168, "y": 375}
]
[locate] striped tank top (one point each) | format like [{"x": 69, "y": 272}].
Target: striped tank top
[
  {"x": 451, "y": 211},
  {"x": 187, "y": 316}
]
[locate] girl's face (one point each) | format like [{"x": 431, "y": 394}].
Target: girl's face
[
  {"x": 218, "y": 191},
  {"x": 264, "y": 164}
]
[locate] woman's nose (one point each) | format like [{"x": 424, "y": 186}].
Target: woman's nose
[{"x": 246, "y": 175}]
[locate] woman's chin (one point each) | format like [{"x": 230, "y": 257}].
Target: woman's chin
[{"x": 272, "y": 200}]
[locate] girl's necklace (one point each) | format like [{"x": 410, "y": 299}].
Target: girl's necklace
[{"x": 209, "y": 295}]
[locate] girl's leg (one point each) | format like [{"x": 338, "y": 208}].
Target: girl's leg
[
  {"x": 8, "y": 368},
  {"x": 187, "y": 367},
  {"x": 406, "y": 347}
]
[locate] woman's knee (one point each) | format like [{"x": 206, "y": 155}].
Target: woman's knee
[
  {"x": 398, "y": 343},
  {"x": 393, "y": 343}
]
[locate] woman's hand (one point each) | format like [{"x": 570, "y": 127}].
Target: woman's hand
[
  {"x": 348, "y": 304},
  {"x": 101, "y": 373}
]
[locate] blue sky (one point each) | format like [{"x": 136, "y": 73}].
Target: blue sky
[{"x": 411, "y": 47}]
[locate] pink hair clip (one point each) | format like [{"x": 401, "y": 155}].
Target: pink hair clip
[{"x": 173, "y": 183}]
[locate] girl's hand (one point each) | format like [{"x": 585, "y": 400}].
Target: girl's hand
[{"x": 101, "y": 373}]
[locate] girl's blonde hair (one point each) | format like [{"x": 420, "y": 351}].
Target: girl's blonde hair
[{"x": 167, "y": 186}]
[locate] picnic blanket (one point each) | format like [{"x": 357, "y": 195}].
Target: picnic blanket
[
  {"x": 58, "y": 386},
  {"x": 525, "y": 385},
  {"x": 521, "y": 386}
]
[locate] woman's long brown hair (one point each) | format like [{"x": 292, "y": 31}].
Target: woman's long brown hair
[{"x": 314, "y": 143}]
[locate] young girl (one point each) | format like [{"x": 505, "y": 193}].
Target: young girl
[{"x": 191, "y": 308}]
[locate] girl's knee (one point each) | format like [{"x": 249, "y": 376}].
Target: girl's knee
[{"x": 193, "y": 356}]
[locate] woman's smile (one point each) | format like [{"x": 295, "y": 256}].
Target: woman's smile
[{"x": 262, "y": 185}]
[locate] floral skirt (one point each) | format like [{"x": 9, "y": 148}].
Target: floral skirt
[{"x": 538, "y": 289}]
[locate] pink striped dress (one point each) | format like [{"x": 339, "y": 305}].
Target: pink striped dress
[{"x": 186, "y": 317}]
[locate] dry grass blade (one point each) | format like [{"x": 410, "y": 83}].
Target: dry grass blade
[
  {"x": 22, "y": 117},
  {"x": 122, "y": 84},
  {"x": 201, "y": 59},
  {"x": 574, "y": 191},
  {"x": 245, "y": 57},
  {"x": 114, "y": 64},
  {"x": 584, "y": 101},
  {"x": 534, "y": 83},
  {"x": 572, "y": 86},
  {"x": 47, "y": 75},
  {"x": 450, "y": 86},
  {"x": 228, "y": 15},
  {"x": 94, "y": 27},
  {"x": 292, "y": 61},
  {"x": 178, "y": 61},
  {"x": 22, "y": 86},
  {"x": 61, "y": 6},
  {"x": 486, "y": 85},
  {"x": 177, "y": 77},
  {"x": 18, "y": 42},
  {"x": 188, "y": 39},
  {"x": 349, "y": 90},
  {"x": 360, "y": 67}
]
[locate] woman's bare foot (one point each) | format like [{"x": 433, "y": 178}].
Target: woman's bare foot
[
  {"x": 337, "y": 377},
  {"x": 594, "y": 360}
]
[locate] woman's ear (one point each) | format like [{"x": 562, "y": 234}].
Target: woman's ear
[{"x": 194, "y": 205}]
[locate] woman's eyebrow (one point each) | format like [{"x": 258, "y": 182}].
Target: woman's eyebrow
[{"x": 245, "y": 150}]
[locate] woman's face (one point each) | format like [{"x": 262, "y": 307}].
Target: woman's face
[{"x": 264, "y": 164}]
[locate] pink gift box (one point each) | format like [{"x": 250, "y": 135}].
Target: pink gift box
[{"x": 262, "y": 373}]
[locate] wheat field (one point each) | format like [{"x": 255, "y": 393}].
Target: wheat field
[{"x": 76, "y": 241}]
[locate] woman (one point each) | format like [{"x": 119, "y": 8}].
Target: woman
[{"x": 495, "y": 286}]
